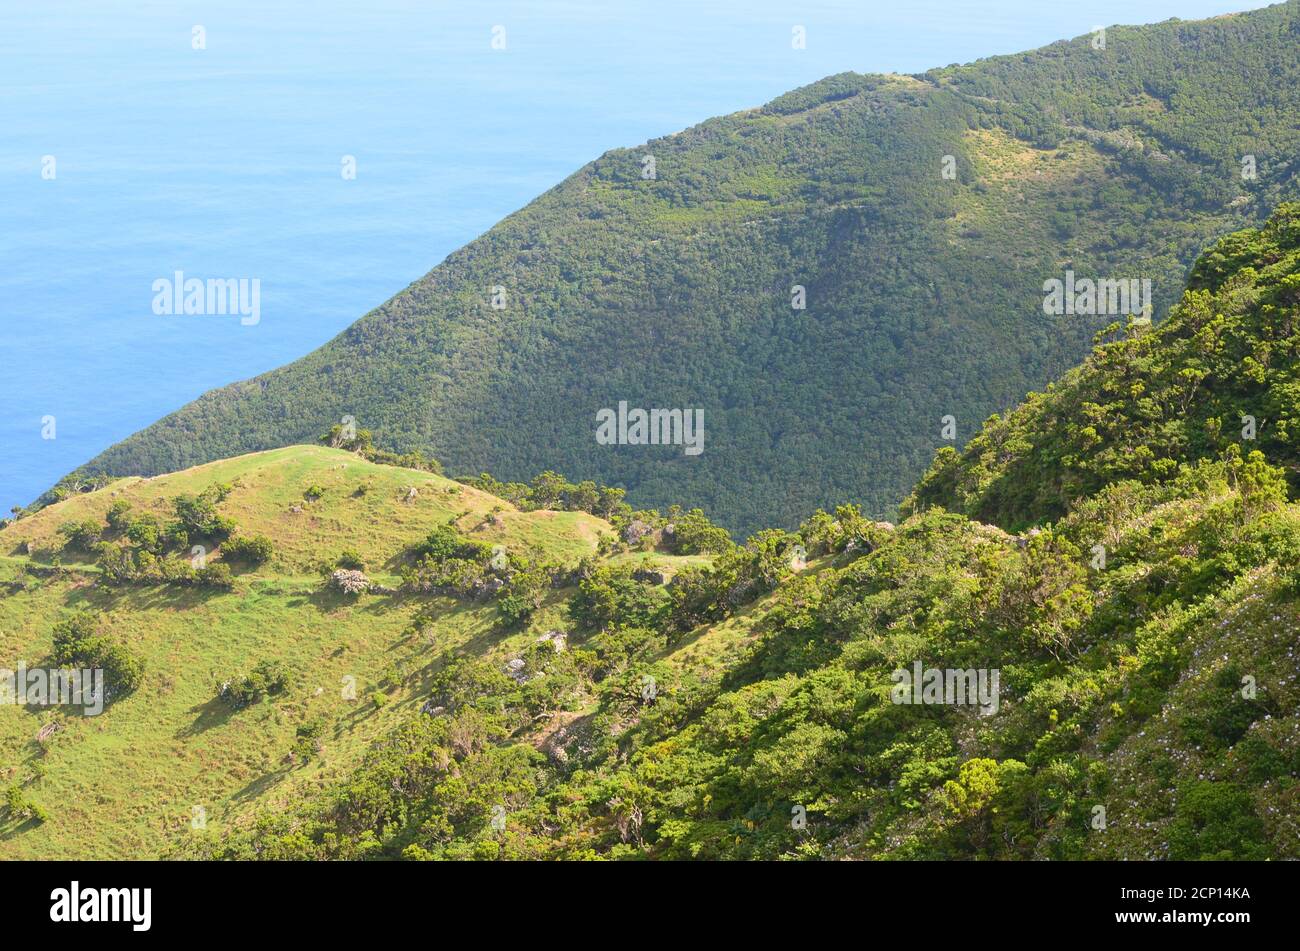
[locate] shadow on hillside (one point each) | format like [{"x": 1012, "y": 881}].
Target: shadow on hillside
[
  {"x": 213, "y": 713},
  {"x": 57, "y": 696},
  {"x": 779, "y": 651},
  {"x": 143, "y": 598},
  {"x": 12, "y": 828},
  {"x": 329, "y": 601},
  {"x": 260, "y": 785},
  {"x": 419, "y": 684},
  {"x": 697, "y": 632},
  {"x": 406, "y": 558}
]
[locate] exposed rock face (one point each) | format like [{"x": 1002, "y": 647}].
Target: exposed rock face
[
  {"x": 649, "y": 576},
  {"x": 635, "y": 531},
  {"x": 557, "y": 639},
  {"x": 349, "y": 581}
]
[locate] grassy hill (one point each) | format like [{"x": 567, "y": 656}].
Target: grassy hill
[
  {"x": 123, "y": 784},
  {"x": 923, "y": 291}
]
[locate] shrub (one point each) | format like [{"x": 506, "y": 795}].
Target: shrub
[
  {"x": 77, "y": 645},
  {"x": 19, "y": 807},
  {"x": 444, "y": 543},
  {"x": 693, "y": 534},
  {"x": 619, "y": 648},
  {"x": 552, "y": 491},
  {"x": 1215, "y": 821},
  {"x": 175, "y": 571},
  {"x": 198, "y": 517},
  {"x": 214, "y": 576},
  {"x": 119, "y": 515},
  {"x": 148, "y": 533},
  {"x": 351, "y": 559},
  {"x": 83, "y": 535},
  {"x": 523, "y": 594},
  {"x": 117, "y": 564},
  {"x": 313, "y": 492},
  {"x": 307, "y": 739},
  {"x": 611, "y": 595},
  {"x": 268, "y": 679},
  {"x": 348, "y": 437},
  {"x": 251, "y": 549}
]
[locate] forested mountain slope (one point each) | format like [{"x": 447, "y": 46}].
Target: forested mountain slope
[
  {"x": 559, "y": 676},
  {"x": 1223, "y": 371},
  {"x": 672, "y": 286},
  {"x": 1147, "y": 704}
]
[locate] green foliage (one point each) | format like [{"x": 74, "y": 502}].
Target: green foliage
[
  {"x": 611, "y": 596},
  {"x": 307, "y": 739},
  {"x": 83, "y": 535},
  {"x": 448, "y": 563},
  {"x": 694, "y": 534},
  {"x": 198, "y": 517},
  {"x": 525, "y": 589},
  {"x": 744, "y": 710},
  {"x": 267, "y": 679},
  {"x": 251, "y": 549},
  {"x": 1215, "y": 821},
  {"x": 552, "y": 491},
  {"x": 1121, "y": 682},
  {"x": 150, "y": 535},
  {"x": 119, "y": 515},
  {"x": 214, "y": 575},
  {"x": 1146, "y": 405},
  {"x": 444, "y": 543},
  {"x": 354, "y": 440},
  {"x": 77, "y": 644},
  {"x": 20, "y": 807}
]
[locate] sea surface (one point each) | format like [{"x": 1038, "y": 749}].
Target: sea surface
[{"x": 226, "y": 161}]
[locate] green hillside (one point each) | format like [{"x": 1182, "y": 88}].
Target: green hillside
[
  {"x": 122, "y": 784},
  {"x": 642, "y": 688},
  {"x": 1222, "y": 371},
  {"x": 923, "y": 292}
]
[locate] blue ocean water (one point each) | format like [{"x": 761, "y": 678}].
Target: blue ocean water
[{"x": 226, "y": 161}]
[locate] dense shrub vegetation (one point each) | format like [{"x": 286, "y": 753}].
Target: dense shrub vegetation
[
  {"x": 1143, "y": 625},
  {"x": 1221, "y": 374},
  {"x": 78, "y": 645}
]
